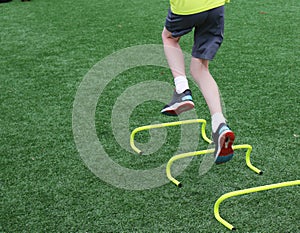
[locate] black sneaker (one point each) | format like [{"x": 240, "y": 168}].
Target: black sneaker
[
  {"x": 180, "y": 103},
  {"x": 223, "y": 140}
]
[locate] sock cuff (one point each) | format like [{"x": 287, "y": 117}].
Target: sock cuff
[
  {"x": 217, "y": 119},
  {"x": 181, "y": 84},
  {"x": 180, "y": 78}
]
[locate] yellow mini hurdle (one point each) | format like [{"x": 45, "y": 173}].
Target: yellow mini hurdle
[
  {"x": 209, "y": 151},
  {"x": 168, "y": 124},
  {"x": 247, "y": 191}
]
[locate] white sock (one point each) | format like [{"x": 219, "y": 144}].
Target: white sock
[
  {"x": 181, "y": 84},
  {"x": 216, "y": 120}
]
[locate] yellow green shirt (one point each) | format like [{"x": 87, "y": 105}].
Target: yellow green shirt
[{"x": 188, "y": 7}]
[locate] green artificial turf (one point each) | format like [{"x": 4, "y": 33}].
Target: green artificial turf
[{"x": 48, "y": 47}]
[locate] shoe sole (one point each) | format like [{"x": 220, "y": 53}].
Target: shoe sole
[
  {"x": 225, "y": 152},
  {"x": 178, "y": 108}
]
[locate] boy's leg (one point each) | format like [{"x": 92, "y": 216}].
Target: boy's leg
[
  {"x": 208, "y": 37},
  {"x": 182, "y": 98}
]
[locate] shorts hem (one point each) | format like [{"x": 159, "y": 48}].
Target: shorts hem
[{"x": 201, "y": 56}]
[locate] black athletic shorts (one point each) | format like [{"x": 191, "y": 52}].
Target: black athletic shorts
[{"x": 208, "y": 33}]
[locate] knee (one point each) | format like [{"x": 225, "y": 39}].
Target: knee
[
  {"x": 167, "y": 36},
  {"x": 163, "y": 37},
  {"x": 198, "y": 66}
]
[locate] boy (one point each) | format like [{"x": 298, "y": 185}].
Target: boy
[{"x": 207, "y": 20}]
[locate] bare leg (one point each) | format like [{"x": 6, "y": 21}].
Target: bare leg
[
  {"x": 208, "y": 86},
  {"x": 173, "y": 53}
]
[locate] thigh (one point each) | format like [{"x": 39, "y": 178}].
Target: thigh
[
  {"x": 180, "y": 25},
  {"x": 208, "y": 36}
]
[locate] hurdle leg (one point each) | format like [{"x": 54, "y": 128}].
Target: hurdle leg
[{"x": 248, "y": 153}]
